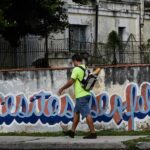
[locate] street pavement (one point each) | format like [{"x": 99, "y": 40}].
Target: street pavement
[{"x": 57, "y": 143}]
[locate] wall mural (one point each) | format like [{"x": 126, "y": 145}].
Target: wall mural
[{"x": 51, "y": 109}]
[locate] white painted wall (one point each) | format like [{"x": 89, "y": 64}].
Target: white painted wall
[
  {"x": 30, "y": 83},
  {"x": 111, "y": 16},
  {"x": 146, "y": 29}
]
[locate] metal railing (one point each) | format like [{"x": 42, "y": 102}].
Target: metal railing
[{"x": 31, "y": 53}]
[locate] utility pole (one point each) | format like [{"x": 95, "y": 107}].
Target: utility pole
[
  {"x": 141, "y": 22},
  {"x": 142, "y": 9},
  {"x": 96, "y": 21},
  {"x": 96, "y": 27}
]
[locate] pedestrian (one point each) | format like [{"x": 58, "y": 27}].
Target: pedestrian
[{"x": 82, "y": 98}]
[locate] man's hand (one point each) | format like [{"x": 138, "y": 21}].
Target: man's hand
[
  {"x": 60, "y": 91},
  {"x": 66, "y": 86},
  {"x": 96, "y": 71}
]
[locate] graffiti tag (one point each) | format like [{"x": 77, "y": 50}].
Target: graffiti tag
[{"x": 51, "y": 109}]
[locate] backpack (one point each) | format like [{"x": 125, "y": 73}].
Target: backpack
[{"x": 88, "y": 80}]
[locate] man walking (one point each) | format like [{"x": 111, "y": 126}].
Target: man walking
[{"x": 82, "y": 99}]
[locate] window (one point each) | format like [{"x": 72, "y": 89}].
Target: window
[
  {"x": 77, "y": 37},
  {"x": 121, "y": 32}
]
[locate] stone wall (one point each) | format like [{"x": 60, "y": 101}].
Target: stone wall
[{"x": 29, "y": 101}]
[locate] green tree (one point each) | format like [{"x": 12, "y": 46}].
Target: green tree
[
  {"x": 113, "y": 43},
  {"x": 38, "y": 17},
  {"x": 2, "y": 20}
]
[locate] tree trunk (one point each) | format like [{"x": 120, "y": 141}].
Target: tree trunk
[
  {"x": 114, "y": 59},
  {"x": 46, "y": 49}
]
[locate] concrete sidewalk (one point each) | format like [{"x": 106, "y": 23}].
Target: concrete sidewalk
[{"x": 47, "y": 143}]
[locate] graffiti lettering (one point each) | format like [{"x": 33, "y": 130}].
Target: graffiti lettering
[{"x": 51, "y": 109}]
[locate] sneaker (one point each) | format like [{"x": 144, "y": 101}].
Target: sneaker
[
  {"x": 69, "y": 133},
  {"x": 91, "y": 136}
]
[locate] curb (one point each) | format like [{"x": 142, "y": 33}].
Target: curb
[
  {"x": 56, "y": 146},
  {"x": 143, "y": 146},
  {"x": 59, "y": 143}
]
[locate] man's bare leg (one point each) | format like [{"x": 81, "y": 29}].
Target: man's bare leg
[
  {"x": 76, "y": 120},
  {"x": 90, "y": 123},
  {"x": 92, "y": 134}
]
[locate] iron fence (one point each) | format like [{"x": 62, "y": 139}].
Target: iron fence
[{"x": 32, "y": 51}]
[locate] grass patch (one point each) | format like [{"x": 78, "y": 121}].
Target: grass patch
[
  {"x": 132, "y": 143},
  {"x": 79, "y": 133}
]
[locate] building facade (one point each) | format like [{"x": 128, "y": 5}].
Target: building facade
[
  {"x": 125, "y": 17},
  {"x": 90, "y": 24}
]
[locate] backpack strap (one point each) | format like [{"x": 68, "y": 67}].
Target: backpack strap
[{"x": 83, "y": 69}]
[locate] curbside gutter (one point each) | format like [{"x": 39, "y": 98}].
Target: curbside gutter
[
  {"x": 59, "y": 143},
  {"x": 143, "y": 146}
]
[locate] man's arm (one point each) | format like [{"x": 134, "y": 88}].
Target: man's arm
[{"x": 66, "y": 86}]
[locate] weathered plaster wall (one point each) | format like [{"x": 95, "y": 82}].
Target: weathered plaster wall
[
  {"x": 29, "y": 100},
  {"x": 111, "y": 16},
  {"x": 146, "y": 28}
]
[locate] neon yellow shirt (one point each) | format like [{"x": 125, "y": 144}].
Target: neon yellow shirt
[{"x": 78, "y": 73}]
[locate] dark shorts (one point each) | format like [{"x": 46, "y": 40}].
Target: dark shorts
[{"x": 82, "y": 106}]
